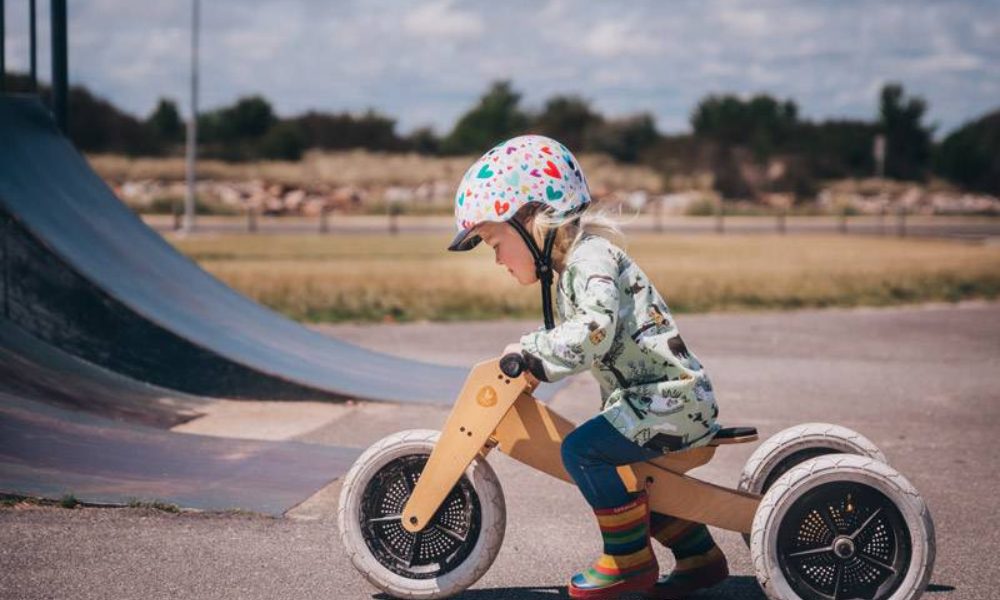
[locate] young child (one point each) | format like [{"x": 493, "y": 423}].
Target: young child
[{"x": 527, "y": 198}]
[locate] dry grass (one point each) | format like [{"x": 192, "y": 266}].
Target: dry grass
[
  {"x": 377, "y": 277},
  {"x": 356, "y": 167}
]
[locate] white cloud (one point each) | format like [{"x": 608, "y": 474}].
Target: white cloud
[
  {"x": 442, "y": 19},
  {"x": 746, "y": 22},
  {"x": 618, "y": 38},
  {"x": 266, "y": 35},
  {"x": 427, "y": 62},
  {"x": 946, "y": 61}
]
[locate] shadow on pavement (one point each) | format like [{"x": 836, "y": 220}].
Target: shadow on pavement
[
  {"x": 509, "y": 593},
  {"x": 739, "y": 588}
]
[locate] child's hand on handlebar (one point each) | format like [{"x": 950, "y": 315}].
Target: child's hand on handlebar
[{"x": 516, "y": 349}]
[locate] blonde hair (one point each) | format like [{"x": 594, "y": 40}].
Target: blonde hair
[{"x": 570, "y": 229}]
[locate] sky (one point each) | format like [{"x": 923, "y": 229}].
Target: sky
[{"x": 426, "y": 62}]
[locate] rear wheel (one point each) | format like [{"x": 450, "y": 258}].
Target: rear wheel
[
  {"x": 451, "y": 553},
  {"x": 842, "y": 526},
  {"x": 795, "y": 445}
]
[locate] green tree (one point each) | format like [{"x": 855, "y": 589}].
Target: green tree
[
  {"x": 165, "y": 121},
  {"x": 249, "y": 118},
  {"x": 370, "y": 130},
  {"x": 625, "y": 139},
  {"x": 762, "y": 123},
  {"x": 908, "y": 142},
  {"x": 495, "y": 118},
  {"x": 282, "y": 142},
  {"x": 423, "y": 140},
  {"x": 970, "y": 155},
  {"x": 836, "y": 148},
  {"x": 568, "y": 119}
]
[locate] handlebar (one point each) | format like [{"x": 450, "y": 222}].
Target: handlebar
[{"x": 512, "y": 364}]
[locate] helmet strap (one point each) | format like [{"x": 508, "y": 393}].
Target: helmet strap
[{"x": 543, "y": 266}]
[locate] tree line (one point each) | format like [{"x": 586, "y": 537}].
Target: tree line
[{"x": 728, "y": 133}]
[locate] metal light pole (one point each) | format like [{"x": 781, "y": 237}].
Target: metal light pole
[
  {"x": 33, "y": 52},
  {"x": 192, "y": 127},
  {"x": 3, "y": 47},
  {"x": 60, "y": 65}
]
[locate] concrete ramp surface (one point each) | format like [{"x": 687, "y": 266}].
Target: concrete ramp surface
[
  {"x": 30, "y": 368},
  {"x": 86, "y": 275},
  {"x": 109, "y": 336},
  {"x": 47, "y": 451}
]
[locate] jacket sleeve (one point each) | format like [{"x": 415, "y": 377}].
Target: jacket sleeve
[{"x": 587, "y": 333}]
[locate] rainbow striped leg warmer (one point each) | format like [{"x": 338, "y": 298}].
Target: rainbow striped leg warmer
[
  {"x": 628, "y": 563},
  {"x": 700, "y": 563}
]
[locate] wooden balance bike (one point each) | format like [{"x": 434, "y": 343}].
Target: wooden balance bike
[{"x": 422, "y": 514}]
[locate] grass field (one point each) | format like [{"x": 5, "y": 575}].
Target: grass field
[{"x": 376, "y": 277}]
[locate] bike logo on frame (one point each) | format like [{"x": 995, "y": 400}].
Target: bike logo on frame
[{"x": 486, "y": 396}]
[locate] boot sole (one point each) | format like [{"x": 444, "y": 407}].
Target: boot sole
[
  {"x": 640, "y": 583},
  {"x": 677, "y": 593}
]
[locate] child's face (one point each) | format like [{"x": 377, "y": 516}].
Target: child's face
[{"x": 510, "y": 250}]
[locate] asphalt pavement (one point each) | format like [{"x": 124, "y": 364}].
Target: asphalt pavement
[{"x": 921, "y": 382}]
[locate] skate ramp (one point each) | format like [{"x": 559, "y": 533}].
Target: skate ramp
[
  {"x": 48, "y": 452},
  {"x": 32, "y": 368},
  {"x": 108, "y": 336},
  {"x": 70, "y": 427},
  {"x": 82, "y": 273}
]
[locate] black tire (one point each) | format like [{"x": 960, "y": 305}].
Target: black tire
[
  {"x": 451, "y": 554},
  {"x": 842, "y": 526}
]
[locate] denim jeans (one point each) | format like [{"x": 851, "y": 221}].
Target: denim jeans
[{"x": 591, "y": 452}]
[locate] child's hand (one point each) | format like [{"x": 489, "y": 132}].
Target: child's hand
[{"x": 516, "y": 349}]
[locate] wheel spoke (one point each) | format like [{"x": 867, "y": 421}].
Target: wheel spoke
[
  {"x": 424, "y": 553},
  {"x": 811, "y": 552},
  {"x": 877, "y": 562},
  {"x": 824, "y": 513},
  {"x": 455, "y": 535},
  {"x": 406, "y": 482},
  {"x": 843, "y": 540},
  {"x": 866, "y": 523},
  {"x": 413, "y": 548},
  {"x": 386, "y": 519}
]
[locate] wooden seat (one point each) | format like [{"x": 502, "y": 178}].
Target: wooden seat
[{"x": 734, "y": 435}]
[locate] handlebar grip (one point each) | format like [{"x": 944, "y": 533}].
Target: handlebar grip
[{"x": 512, "y": 364}]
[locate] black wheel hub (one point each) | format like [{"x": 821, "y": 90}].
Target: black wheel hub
[
  {"x": 844, "y": 540},
  {"x": 843, "y": 547},
  {"x": 438, "y": 548}
]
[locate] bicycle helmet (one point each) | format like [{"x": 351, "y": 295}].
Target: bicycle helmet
[{"x": 529, "y": 169}]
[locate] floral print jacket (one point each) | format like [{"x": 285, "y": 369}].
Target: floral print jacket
[{"x": 612, "y": 320}]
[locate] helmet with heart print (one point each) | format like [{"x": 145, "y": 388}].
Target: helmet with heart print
[
  {"x": 529, "y": 169},
  {"x": 523, "y": 170}
]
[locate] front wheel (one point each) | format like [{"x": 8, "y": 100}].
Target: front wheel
[
  {"x": 842, "y": 526},
  {"x": 455, "y": 549}
]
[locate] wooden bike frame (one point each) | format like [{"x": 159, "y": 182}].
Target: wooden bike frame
[{"x": 494, "y": 410}]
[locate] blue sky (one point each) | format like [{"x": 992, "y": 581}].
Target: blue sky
[{"x": 425, "y": 62}]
